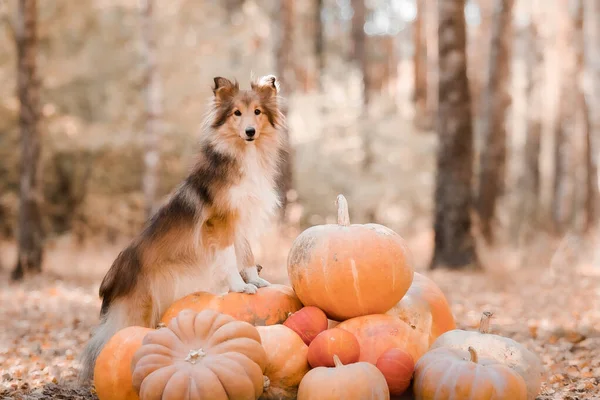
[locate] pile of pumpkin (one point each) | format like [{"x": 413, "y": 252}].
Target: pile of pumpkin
[{"x": 356, "y": 323}]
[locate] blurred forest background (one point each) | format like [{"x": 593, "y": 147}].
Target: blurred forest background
[{"x": 470, "y": 127}]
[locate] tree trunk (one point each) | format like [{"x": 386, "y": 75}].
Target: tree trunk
[
  {"x": 454, "y": 242},
  {"x": 30, "y": 237},
  {"x": 420, "y": 62},
  {"x": 593, "y": 128},
  {"x": 431, "y": 33},
  {"x": 480, "y": 68},
  {"x": 153, "y": 108},
  {"x": 496, "y": 100},
  {"x": 572, "y": 61},
  {"x": 529, "y": 185},
  {"x": 319, "y": 43},
  {"x": 285, "y": 74},
  {"x": 359, "y": 50}
]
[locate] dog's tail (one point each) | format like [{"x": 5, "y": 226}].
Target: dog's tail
[{"x": 112, "y": 321}]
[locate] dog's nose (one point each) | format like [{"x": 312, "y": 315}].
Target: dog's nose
[{"x": 250, "y": 131}]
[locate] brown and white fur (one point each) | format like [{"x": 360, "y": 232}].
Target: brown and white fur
[{"x": 227, "y": 199}]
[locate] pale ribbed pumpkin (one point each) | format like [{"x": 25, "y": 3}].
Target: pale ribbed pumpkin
[
  {"x": 360, "y": 381},
  {"x": 425, "y": 308},
  {"x": 200, "y": 356},
  {"x": 268, "y": 306},
  {"x": 349, "y": 270},
  {"x": 286, "y": 362},
  {"x": 445, "y": 373},
  {"x": 502, "y": 349}
]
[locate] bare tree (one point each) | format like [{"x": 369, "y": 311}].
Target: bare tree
[
  {"x": 153, "y": 107},
  {"x": 319, "y": 42},
  {"x": 529, "y": 181},
  {"x": 359, "y": 45},
  {"x": 496, "y": 101},
  {"x": 285, "y": 74},
  {"x": 30, "y": 237},
  {"x": 480, "y": 54},
  {"x": 593, "y": 127},
  {"x": 454, "y": 241},
  {"x": 571, "y": 45},
  {"x": 431, "y": 38},
  {"x": 420, "y": 61}
]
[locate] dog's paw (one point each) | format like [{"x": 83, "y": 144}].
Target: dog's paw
[
  {"x": 259, "y": 282},
  {"x": 244, "y": 288}
]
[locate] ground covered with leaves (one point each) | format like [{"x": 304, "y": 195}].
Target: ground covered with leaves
[{"x": 554, "y": 311}]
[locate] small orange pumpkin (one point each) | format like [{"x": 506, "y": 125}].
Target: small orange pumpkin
[
  {"x": 112, "y": 372},
  {"x": 462, "y": 375},
  {"x": 378, "y": 333},
  {"x": 360, "y": 380},
  {"x": 349, "y": 270},
  {"x": 397, "y": 366},
  {"x": 200, "y": 356},
  {"x": 308, "y": 322},
  {"x": 332, "y": 342},
  {"x": 268, "y": 306},
  {"x": 425, "y": 308},
  {"x": 286, "y": 362}
]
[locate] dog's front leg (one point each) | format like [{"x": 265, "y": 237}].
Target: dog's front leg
[
  {"x": 246, "y": 262},
  {"x": 226, "y": 257}
]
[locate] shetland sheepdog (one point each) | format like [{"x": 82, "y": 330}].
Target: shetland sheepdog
[{"x": 226, "y": 200}]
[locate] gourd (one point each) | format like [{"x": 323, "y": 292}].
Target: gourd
[
  {"x": 268, "y": 306},
  {"x": 308, "y": 322},
  {"x": 286, "y": 361},
  {"x": 358, "y": 381},
  {"x": 425, "y": 308},
  {"x": 112, "y": 371},
  {"x": 200, "y": 356},
  {"x": 447, "y": 373},
  {"x": 349, "y": 270},
  {"x": 397, "y": 366},
  {"x": 332, "y": 342},
  {"x": 505, "y": 350}
]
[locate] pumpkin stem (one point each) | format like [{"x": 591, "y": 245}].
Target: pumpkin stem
[
  {"x": 342, "y": 209},
  {"x": 473, "y": 354},
  {"x": 266, "y": 383},
  {"x": 484, "y": 323},
  {"x": 194, "y": 355},
  {"x": 337, "y": 361}
]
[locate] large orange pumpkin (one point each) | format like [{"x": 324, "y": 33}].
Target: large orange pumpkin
[
  {"x": 425, "y": 308},
  {"x": 286, "y": 362},
  {"x": 349, "y": 270},
  {"x": 445, "y": 373},
  {"x": 200, "y": 356},
  {"x": 112, "y": 372},
  {"x": 268, "y": 306},
  {"x": 378, "y": 333},
  {"x": 502, "y": 349}
]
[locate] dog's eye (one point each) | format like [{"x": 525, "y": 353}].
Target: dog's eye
[
  {"x": 237, "y": 112},
  {"x": 257, "y": 111}
]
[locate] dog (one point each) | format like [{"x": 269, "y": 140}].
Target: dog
[{"x": 228, "y": 198}]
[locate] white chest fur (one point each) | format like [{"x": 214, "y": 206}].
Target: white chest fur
[{"x": 254, "y": 197}]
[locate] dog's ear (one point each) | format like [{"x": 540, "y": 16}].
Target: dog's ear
[
  {"x": 268, "y": 84},
  {"x": 224, "y": 88}
]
